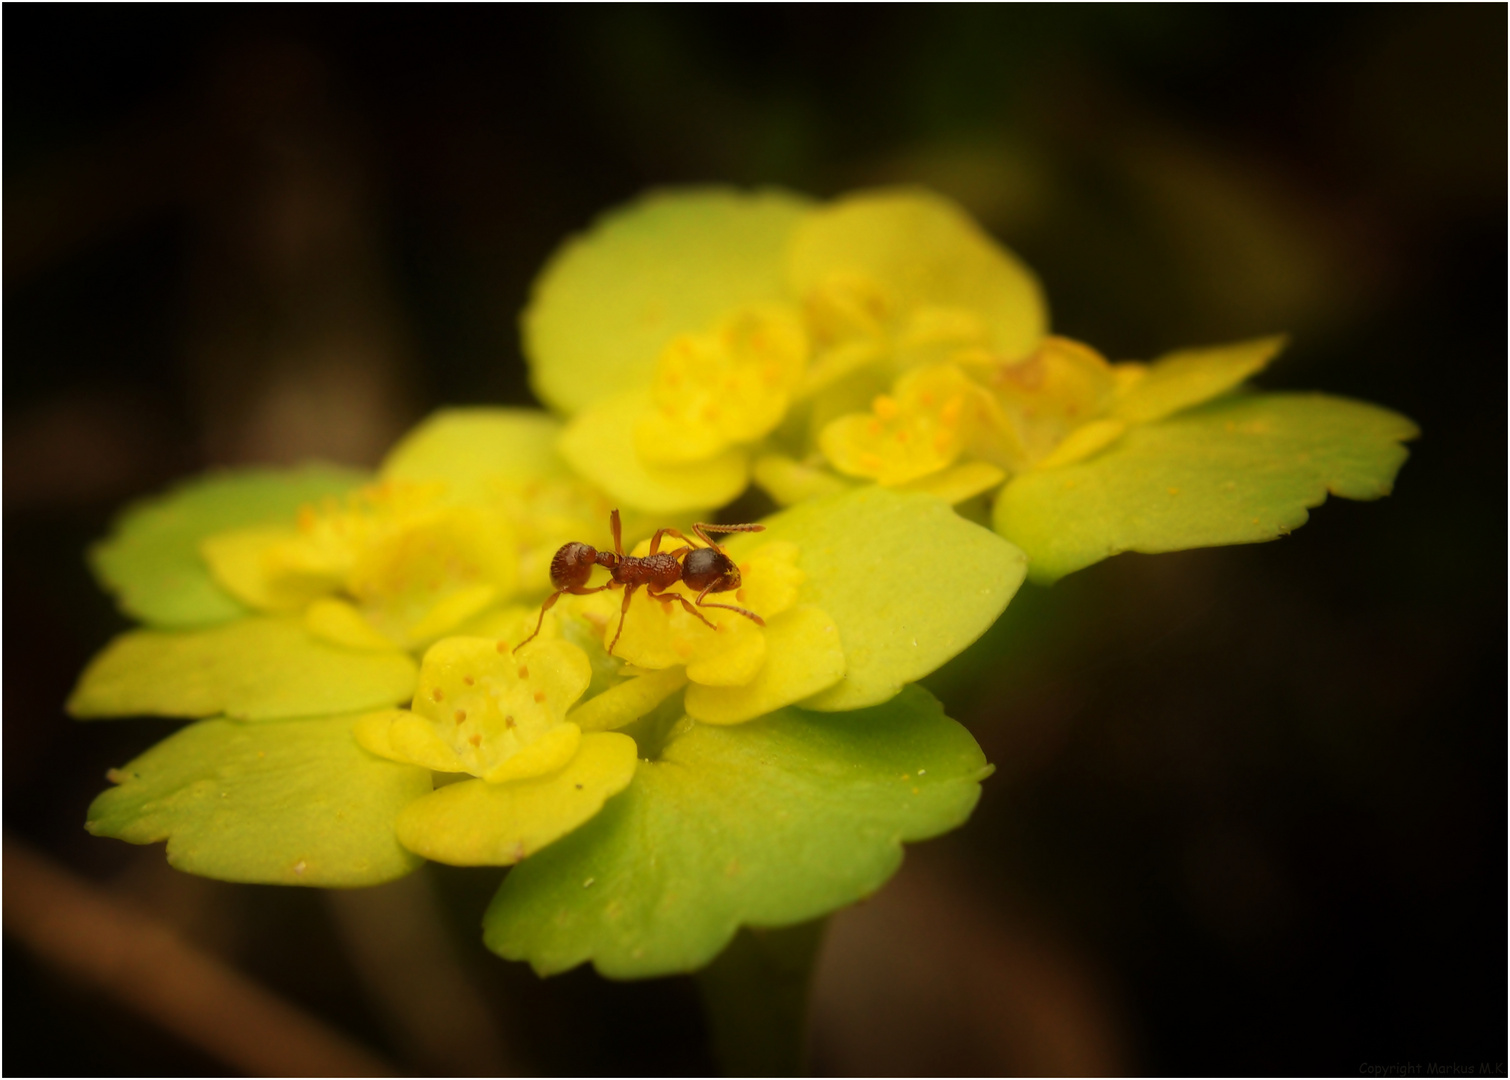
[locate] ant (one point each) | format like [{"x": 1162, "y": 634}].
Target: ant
[{"x": 707, "y": 569}]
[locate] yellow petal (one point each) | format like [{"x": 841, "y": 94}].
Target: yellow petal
[
  {"x": 1191, "y": 376},
  {"x": 415, "y": 740},
  {"x": 338, "y": 622},
  {"x": 960, "y": 482},
  {"x": 600, "y": 444},
  {"x": 789, "y": 481},
  {"x": 451, "y": 611},
  {"x": 251, "y": 565},
  {"x": 628, "y": 701},
  {"x": 546, "y": 754},
  {"x": 804, "y": 655},
  {"x": 475, "y": 823},
  {"x": 1083, "y": 442}
]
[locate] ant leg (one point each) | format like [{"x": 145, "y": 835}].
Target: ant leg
[
  {"x": 729, "y": 607},
  {"x": 623, "y": 613},
  {"x": 613, "y": 524},
  {"x": 550, "y": 602},
  {"x": 702, "y": 529},
  {"x": 655, "y": 541},
  {"x": 687, "y": 604}
]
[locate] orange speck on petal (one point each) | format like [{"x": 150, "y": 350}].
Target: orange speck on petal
[
  {"x": 943, "y": 441},
  {"x": 739, "y": 594},
  {"x": 903, "y": 436},
  {"x": 508, "y": 722},
  {"x": 874, "y": 428},
  {"x": 461, "y": 716},
  {"x": 949, "y": 414},
  {"x": 437, "y": 694},
  {"x": 469, "y": 680},
  {"x": 885, "y": 406},
  {"x": 539, "y": 696},
  {"x": 524, "y": 672},
  {"x": 870, "y": 462},
  {"x": 475, "y": 739},
  {"x": 503, "y": 646}
]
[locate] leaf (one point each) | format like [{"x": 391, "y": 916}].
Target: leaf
[
  {"x": 908, "y": 583},
  {"x": 599, "y": 444},
  {"x": 765, "y": 824},
  {"x": 928, "y": 255},
  {"x": 151, "y": 560},
  {"x": 469, "y": 449},
  {"x": 674, "y": 262},
  {"x": 1236, "y": 471},
  {"x": 295, "y": 802},
  {"x": 251, "y": 669}
]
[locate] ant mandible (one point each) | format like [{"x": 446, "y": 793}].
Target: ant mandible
[{"x": 707, "y": 569}]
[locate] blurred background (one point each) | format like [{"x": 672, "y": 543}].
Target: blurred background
[{"x": 1250, "y": 807}]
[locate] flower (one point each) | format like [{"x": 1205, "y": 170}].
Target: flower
[
  {"x": 884, "y": 338},
  {"x": 737, "y": 316},
  {"x": 323, "y": 755}
]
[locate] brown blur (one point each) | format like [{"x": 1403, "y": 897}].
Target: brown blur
[{"x": 1249, "y": 814}]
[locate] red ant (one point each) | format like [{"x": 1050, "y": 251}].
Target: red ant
[{"x": 707, "y": 569}]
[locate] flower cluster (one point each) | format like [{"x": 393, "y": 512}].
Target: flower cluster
[{"x": 373, "y": 680}]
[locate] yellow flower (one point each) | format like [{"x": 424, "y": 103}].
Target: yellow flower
[
  {"x": 736, "y": 322},
  {"x": 498, "y": 714},
  {"x": 1058, "y": 405}
]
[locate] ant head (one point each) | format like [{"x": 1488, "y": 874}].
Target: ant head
[
  {"x": 572, "y": 565},
  {"x": 710, "y": 569}
]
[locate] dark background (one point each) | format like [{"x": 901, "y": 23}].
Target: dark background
[{"x": 1250, "y": 813}]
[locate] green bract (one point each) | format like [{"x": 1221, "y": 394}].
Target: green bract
[
  {"x": 763, "y": 824},
  {"x": 1235, "y": 471},
  {"x": 288, "y": 803}
]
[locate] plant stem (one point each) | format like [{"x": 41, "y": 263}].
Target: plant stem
[{"x": 756, "y": 996}]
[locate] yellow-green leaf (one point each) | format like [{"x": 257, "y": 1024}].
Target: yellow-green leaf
[
  {"x": 765, "y": 824},
  {"x": 908, "y": 582},
  {"x": 1236, "y": 471},
  {"x": 252, "y": 669},
  {"x": 151, "y": 560},
  {"x": 673, "y": 262},
  {"x": 294, "y": 802}
]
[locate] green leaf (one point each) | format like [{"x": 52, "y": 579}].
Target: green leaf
[
  {"x": 908, "y": 582},
  {"x": 765, "y": 824},
  {"x": 470, "y": 449},
  {"x": 1236, "y": 471},
  {"x": 251, "y": 669},
  {"x": 151, "y": 559},
  {"x": 290, "y": 803},
  {"x": 672, "y": 263}
]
